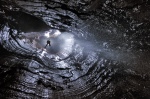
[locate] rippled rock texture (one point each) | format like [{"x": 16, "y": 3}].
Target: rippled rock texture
[{"x": 99, "y": 49}]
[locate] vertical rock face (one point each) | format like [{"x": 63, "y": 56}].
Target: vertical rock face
[{"x": 99, "y": 49}]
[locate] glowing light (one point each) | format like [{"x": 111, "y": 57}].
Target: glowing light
[
  {"x": 66, "y": 45},
  {"x": 55, "y": 34},
  {"x": 52, "y": 33},
  {"x": 47, "y": 34}
]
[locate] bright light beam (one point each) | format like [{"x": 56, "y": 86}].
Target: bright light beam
[
  {"x": 47, "y": 34},
  {"x": 52, "y": 33}
]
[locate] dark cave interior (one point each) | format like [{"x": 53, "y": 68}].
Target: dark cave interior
[{"x": 81, "y": 49}]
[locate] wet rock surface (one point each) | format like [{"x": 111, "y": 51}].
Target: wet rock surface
[{"x": 99, "y": 49}]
